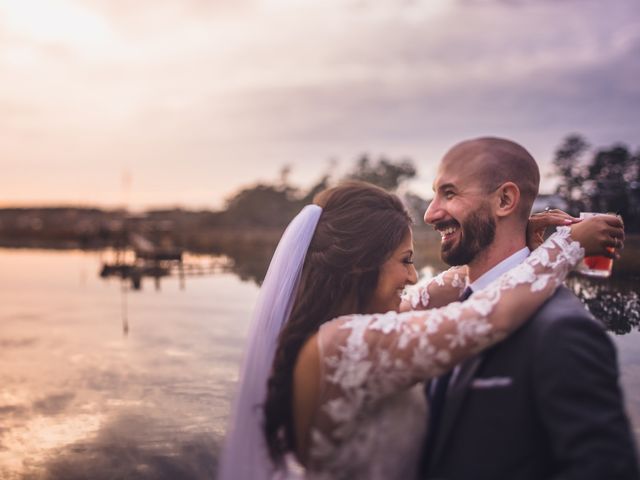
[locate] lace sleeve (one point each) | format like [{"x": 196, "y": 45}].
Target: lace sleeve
[
  {"x": 367, "y": 357},
  {"x": 438, "y": 291}
]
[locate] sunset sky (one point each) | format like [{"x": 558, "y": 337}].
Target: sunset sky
[{"x": 181, "y": 102}]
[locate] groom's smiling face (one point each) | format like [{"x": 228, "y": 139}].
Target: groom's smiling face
[{"x": 461, "y": 210}]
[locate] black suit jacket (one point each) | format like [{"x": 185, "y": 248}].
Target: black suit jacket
[{"x": 543, "y": 404}]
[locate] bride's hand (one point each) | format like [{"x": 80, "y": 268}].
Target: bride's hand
[
  {"x": 600, "y": 235},
  {"x": 539, "y": 222}
]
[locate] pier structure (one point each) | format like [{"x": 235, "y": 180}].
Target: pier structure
[{"x": 138, "y": 257}]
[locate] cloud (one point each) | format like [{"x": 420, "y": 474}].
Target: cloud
[
  {"x": 281, "y": 81},
  {"x": 54, "y": 404}
]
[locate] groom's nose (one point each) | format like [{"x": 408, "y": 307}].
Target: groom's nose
[{"x": 433, "y": 213}]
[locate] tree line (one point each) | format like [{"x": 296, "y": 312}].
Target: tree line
[
  {"x": 589, "y": 179},
  {"x": 275, "y": 204},
  {"x": 599, "y": 180}
]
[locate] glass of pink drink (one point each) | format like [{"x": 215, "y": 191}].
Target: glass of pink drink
[{"x": 595, "y": 265}]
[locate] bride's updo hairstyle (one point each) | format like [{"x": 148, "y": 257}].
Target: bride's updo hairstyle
[{"x": 360, "y": 227}]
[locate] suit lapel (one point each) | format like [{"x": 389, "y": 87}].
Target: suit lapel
[{"x": 454, "y": 400}]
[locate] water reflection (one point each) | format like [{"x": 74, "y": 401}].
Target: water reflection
[
  {"x": 122, "y": 449},
  {"x": 250, "y": 262},
  {"x": 614, "y": 301},
  {"x": 78, "y": 399},
  {"x": 26, "y": 446}
]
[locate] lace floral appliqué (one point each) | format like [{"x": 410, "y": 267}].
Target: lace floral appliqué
[{"x": 372, "y": 410}]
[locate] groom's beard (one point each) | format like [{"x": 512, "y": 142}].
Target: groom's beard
[{"x": 476, "y": 234}]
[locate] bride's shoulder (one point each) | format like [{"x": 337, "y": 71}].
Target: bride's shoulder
[
  {"x": 342, "y": 327},
  {"x": 330, "y": 332},
  {"x": 326, "y": 342},
  {"x": 341, "y": 332},
  {"x": 312, "y": 349},
  {"x": 353, "y": 330},
  {"x": 309, "y": 353},
  {"x": 321, "y": 344}
]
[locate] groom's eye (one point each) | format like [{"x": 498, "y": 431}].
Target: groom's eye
[{"x": 449, "y": 194}]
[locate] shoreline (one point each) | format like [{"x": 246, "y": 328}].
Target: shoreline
[{"x": 261, "y": 242}]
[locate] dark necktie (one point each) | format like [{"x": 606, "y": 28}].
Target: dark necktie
[
  {"x": 437, "y": 397},
  {"x": 466, "y": 294}
]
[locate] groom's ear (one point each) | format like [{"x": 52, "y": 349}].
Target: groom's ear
[{"x": 507, "y": 199}]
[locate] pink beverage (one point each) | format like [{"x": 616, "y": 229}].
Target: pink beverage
[
  {"x": 595, "y": 265},
  {"x": 597, "y": 262}
]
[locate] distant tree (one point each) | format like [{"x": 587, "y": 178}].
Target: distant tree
[
  {"x": 608, "y": 182},
  {"x": 285, "y": 172},
  {"x": 275, "y": 204},
  {"x": 569, "y": 167},
  {"x": 262, "y": 206},
  {"x": 385, "y": 173},
  {"x": 608, "y": 187},
  {"x": 416, "y": 205},
  {"x": 319, "y": 186}
]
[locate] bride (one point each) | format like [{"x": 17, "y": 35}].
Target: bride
[{"x": 330, "y": 386}]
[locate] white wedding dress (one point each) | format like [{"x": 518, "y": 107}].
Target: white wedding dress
[{"x": 372, "y": 416}]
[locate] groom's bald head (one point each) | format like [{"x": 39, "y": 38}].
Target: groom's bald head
[{"x": 494, "y": 161}]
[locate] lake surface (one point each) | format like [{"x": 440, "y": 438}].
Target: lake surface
[{"x": 101, "y": 382}]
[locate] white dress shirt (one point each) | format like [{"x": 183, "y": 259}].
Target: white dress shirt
[
  {"x": 488, "y": 277},
  {"x": 504, "y": 266}
]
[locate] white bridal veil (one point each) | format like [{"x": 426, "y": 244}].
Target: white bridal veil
[{"x": 244, "y": 455}]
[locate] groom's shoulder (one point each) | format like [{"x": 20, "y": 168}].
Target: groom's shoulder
[
  {"x": 563, "y": 303},
  {"x": 563, "y": 309}
]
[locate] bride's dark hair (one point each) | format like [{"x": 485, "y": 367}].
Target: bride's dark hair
[{"x": 360, "y": 227}]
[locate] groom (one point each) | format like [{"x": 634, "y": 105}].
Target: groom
[{"x": 545, "y": 403}]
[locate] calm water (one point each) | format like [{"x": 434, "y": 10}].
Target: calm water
[{"x": 100, "y": 382}]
